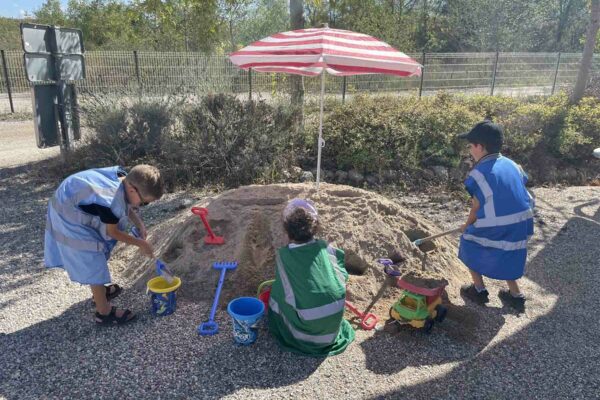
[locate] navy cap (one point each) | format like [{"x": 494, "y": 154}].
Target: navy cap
[{"x": 486, "y": 133}]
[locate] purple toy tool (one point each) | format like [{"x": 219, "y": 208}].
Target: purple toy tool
[{"x": 210, "y": 327}]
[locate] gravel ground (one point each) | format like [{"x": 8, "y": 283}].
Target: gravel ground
[{"x": 52, "y": 349}]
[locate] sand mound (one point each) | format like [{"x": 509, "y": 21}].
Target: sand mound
[{"x": 364, "y": 224}]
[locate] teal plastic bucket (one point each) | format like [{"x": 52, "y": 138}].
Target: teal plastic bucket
[{"x": 246, "y": 313}]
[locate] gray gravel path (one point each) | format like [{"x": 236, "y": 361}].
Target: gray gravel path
[{"x": 51, "y": 349}]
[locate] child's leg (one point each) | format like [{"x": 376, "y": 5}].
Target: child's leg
[
  {"x": 99, "y": 294},
  {"x": 513, "y": 286},
  {"x": 477, "y": 279},
  {"x": 103, "y": 306}
]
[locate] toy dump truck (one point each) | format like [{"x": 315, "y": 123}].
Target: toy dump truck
[{"x": 418, "y": 307}]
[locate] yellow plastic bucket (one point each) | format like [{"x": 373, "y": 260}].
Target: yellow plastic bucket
[{"x": 163, "y": 297}]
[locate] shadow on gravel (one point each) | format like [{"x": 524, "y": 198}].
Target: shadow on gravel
[
  {"x": 68, "y": 356},
  {"x": 556, "y": 355},
  {"x": 456, "y": 338},
  {"x": 23, "y": 200}
]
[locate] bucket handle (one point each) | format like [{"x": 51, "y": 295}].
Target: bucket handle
[{"x": 262, "y": 285}]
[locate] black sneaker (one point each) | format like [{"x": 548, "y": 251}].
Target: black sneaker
[
  {"x": 471, "y": 293},
  {"x": 518, "y": 303}
]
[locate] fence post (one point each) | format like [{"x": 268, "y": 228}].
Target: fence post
[
  {"x": 494, "y": 75},
  {"x": 8, "y": 89},
  {"x": 422, "y": 75},
  {"x": 250, "y": 83},
  {"x": 555, "y": 73},
  {"x": 137, "y": 68},
  {"x": 343, "y": 90}
]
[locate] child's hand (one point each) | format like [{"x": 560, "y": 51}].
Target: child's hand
[
  {"x": 147, "y": 249},
  {"x": 143, "y": 232}
]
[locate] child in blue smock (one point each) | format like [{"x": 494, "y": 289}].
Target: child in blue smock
[
  {"x": 495, "y": 235},
  {"x": 87, "y": 215}
]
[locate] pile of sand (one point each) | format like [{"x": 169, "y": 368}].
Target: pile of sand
[{"x": 367, "y": 226}]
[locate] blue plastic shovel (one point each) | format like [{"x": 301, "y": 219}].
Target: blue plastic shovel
[{"x": 210, "y": 327}]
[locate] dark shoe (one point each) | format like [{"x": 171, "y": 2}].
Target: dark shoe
[
  {"x": 518, "y": 303},
  {"x": 472, "y": 294},
  {"x": 111, "y": 319}
]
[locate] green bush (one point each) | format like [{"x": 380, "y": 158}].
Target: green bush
[
  {"x": 236, "y": 141},
  {"x": 582, "y": 132},
  {"x": 534, "y": 127},
  {"x": 377, "y": 133},
  {"x": 220, "y": 139},
  {"x": 125, "y": 133}
]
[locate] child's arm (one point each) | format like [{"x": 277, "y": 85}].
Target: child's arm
[
  {"x": 113, "y": 231},
  {"x": 472, "y": 214},
  {"x": 137, "y": 221}
]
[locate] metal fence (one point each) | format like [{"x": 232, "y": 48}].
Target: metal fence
[{"x": 159, "y": 73}]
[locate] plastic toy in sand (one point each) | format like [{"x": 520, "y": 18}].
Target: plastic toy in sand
[
  {"x": 368, "y": 321},
  {"x": 163, "y": 295},
  {"x": 416, "y": 306},
  {"x": 264, "y": 292},
  {"x": 211, "y": 238},
  {"x": 210, "y": 327}
]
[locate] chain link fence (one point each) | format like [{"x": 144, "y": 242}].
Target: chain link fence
[{"x": 187, "y": 73}]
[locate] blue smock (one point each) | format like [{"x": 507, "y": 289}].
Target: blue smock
[
  {"x": 496, "y": 244},
  {"x": 75, "y": 240}
]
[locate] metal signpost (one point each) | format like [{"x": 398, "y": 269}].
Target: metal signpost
[{"x": 53, "y": 58}]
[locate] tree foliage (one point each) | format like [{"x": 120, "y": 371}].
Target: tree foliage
[{"x": 219, "y": 26}]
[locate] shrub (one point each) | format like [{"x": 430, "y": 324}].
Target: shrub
[
  {"x": 582, "y": 132},
  {"x": 236, "y": 141},
  {"x": 124, "y": 132},
  {"x": 376, "y": 133},
  {"x": 220, "y": 139}
]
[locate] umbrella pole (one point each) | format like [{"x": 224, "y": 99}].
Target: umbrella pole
[{"x": 320, "y": 142}]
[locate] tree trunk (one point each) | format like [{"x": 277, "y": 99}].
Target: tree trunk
[
  {"x": 297, "y": 22},
  {"x": 563, "y": 17},
  {"x": 588, "y": 53}
]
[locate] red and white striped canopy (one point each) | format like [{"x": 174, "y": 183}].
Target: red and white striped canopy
[{"x": 340, "y": 52}]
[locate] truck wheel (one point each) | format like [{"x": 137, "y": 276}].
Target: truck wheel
[
  {"x": 441, "y": 313},
  {"x": 428, "y": 326}
]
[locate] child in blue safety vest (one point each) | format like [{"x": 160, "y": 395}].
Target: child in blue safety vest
[
  {"x": 495, "y": 235},
  {"x": 87, "y": 215}
]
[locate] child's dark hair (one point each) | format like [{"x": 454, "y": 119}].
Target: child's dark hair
[
  {"x": 301, "y": 226},
  {"x": 491, "y": 148}
]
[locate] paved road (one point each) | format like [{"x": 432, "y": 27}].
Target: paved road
[{"x": 18, "y": 145}]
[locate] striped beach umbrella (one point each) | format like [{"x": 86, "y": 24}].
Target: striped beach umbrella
[{"x": 311, "y": 52}]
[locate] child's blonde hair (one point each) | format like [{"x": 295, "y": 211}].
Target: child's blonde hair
[{"x": 147, "y": 180}]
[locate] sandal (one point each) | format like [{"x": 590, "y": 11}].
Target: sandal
[
  {"x": 111, "y": 319},
  {"x": 112, "y": 291}
]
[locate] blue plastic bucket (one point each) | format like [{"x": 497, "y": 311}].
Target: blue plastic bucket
[
  {"x": 246, "y": 313},
  {"x": 163, "y": 295}
]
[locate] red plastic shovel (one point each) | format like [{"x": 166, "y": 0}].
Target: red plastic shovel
[
  {"x": 211, "y": 238},
  {"x": 368, "y": 321}
]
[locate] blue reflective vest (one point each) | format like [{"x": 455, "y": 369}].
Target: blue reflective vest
[
  {"x": 496, "y": 244},
  {"x": 75, "y": 240}
]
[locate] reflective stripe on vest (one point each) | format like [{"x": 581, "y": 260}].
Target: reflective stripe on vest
[
  {"x": 318, "y": 339},
  {"x": 490, "y": 212},
  {"x": 77, "y": 244},
  {"x": 336, "y": 266},
  {"x": 71, "y": 209},
  {"x": 496, "y": 244},
  {"x": 307, "y": 314}
]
